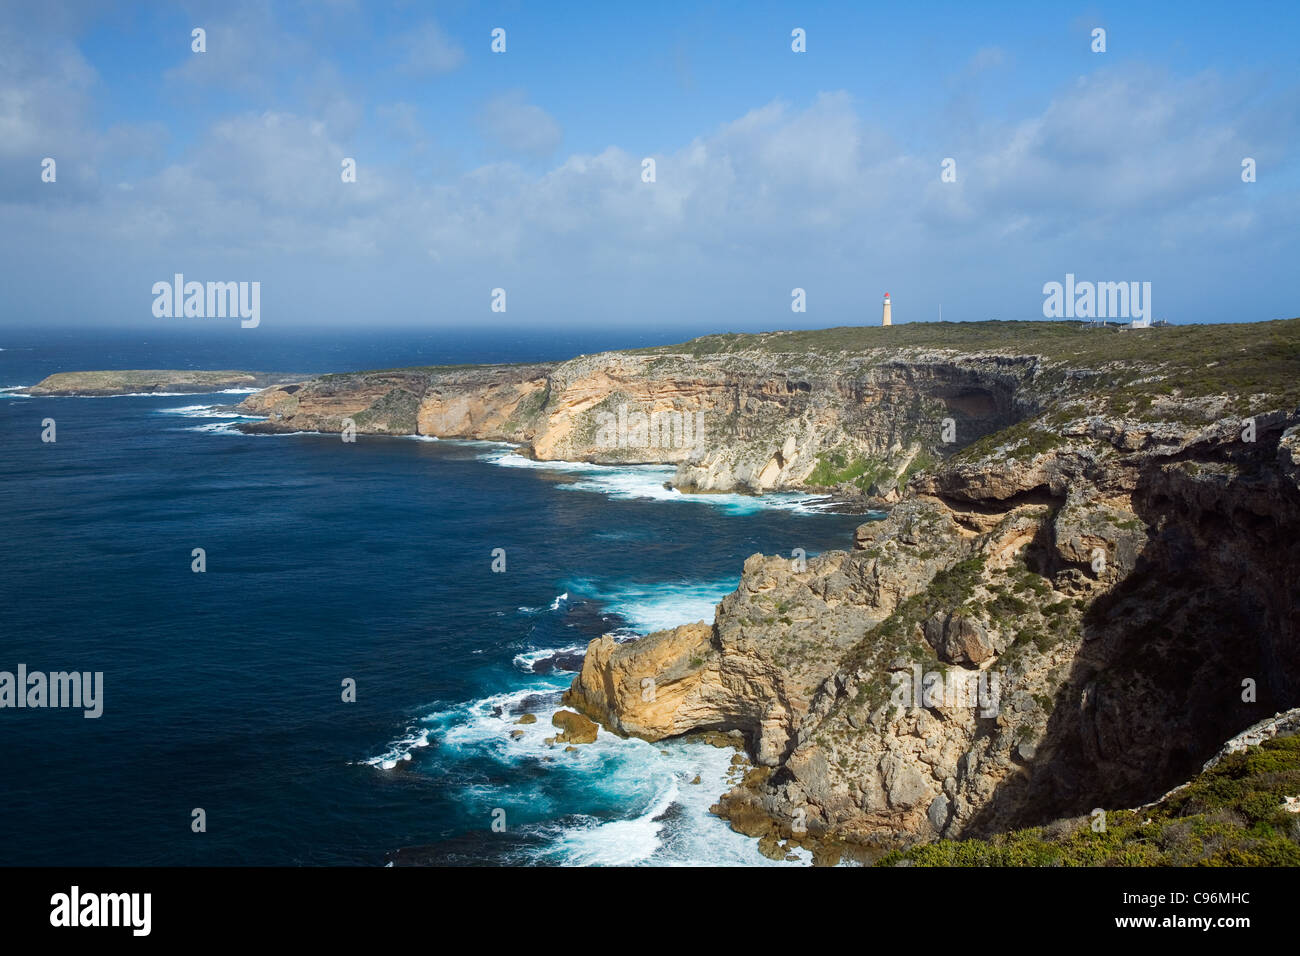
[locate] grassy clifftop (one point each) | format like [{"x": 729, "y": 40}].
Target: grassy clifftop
[
  {"x": 1231, "y": 815},
  {"x": 1052, "y": 339},
  {"x": 1126, "y": 370}
]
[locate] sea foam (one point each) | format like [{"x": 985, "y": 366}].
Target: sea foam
[{"x": 648, "y": 482}]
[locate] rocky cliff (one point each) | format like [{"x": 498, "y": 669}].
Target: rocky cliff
[
  {"x": 496, "y": 402},
  {"x": 1086, "y": 583},
  {"x": 1071, "y": 612},
  {"x": 733, "y": 413}
]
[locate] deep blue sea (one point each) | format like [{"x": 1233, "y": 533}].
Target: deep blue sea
[{"x": 328, "y": 561}]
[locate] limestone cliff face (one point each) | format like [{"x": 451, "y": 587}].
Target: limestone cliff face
[
  {"x": 492, "y": 402},
  {"x": 775, "y": 641},
  {"x": 750, "y": 420},
  {"x": 1021, "y": 638},
  {"x": 466, "y": 406},
  {"x": 654, "y": 689}
]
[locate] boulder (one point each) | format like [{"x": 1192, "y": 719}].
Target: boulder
[
  {"x": 575, "y": 728},
  {"x": 966, "y": 641},
  {"x": 958, "y": 638}
]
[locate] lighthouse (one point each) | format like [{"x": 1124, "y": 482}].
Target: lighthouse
[{"x": 884, "y": 313}]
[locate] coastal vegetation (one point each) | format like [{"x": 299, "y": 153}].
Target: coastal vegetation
[{"x": 1240, "y": 812}]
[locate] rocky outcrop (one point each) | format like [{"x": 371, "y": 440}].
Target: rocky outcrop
[
  {"x": 1286, "y": 724},
  {"x": 653, "y": 689},
  {"x": 574, "y": 728},
  {"x": 958, "y": 638},
  {"x": 492, "y": 402},
  {"x": 775, "y": 641}
]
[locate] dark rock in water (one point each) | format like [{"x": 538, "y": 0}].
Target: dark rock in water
[
  {"x": 718, "y": 738},
  {"x": 673, "y": 813},
  {"x": 529, "y": 705},
  {"x": 570, "y": 661},
  {"x": 591, "y": 619}
]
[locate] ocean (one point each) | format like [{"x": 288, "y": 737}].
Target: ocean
[{"x": 328, "y": 562}]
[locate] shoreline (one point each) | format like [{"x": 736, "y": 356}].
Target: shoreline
[{"x": 1044, "y": 519}]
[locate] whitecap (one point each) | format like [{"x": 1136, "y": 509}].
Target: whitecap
[
  {"x": 209, "y": 411},
  {"x": 660, "y": 605},
  {"x": 526, "y": 660},
  {"x": 228, "y": 428},
  {"x": 667, "y": 821},
  {"x": 553, "y": 606},
  {"x": 134, "y": 395},
  {"x": 215, "y": 428},
  {"x": 650, "y": 482},
  {"x": 399, "y": 750},
  {"x": 616, "y": 842},
  {"x": 485, "y": 722}
]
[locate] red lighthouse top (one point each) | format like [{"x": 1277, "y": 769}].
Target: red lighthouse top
[{"x": 886, "y": 295}]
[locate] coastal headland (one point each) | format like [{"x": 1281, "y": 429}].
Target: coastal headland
[{"x": 1097, "y": 529}]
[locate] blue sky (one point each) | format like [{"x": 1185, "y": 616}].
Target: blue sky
[{"x": 522, "y": 170}]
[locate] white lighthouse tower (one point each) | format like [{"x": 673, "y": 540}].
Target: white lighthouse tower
[{"x": 884, "y": 314}]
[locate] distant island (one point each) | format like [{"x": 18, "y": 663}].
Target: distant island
[{"x": 141, "y": 381}]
